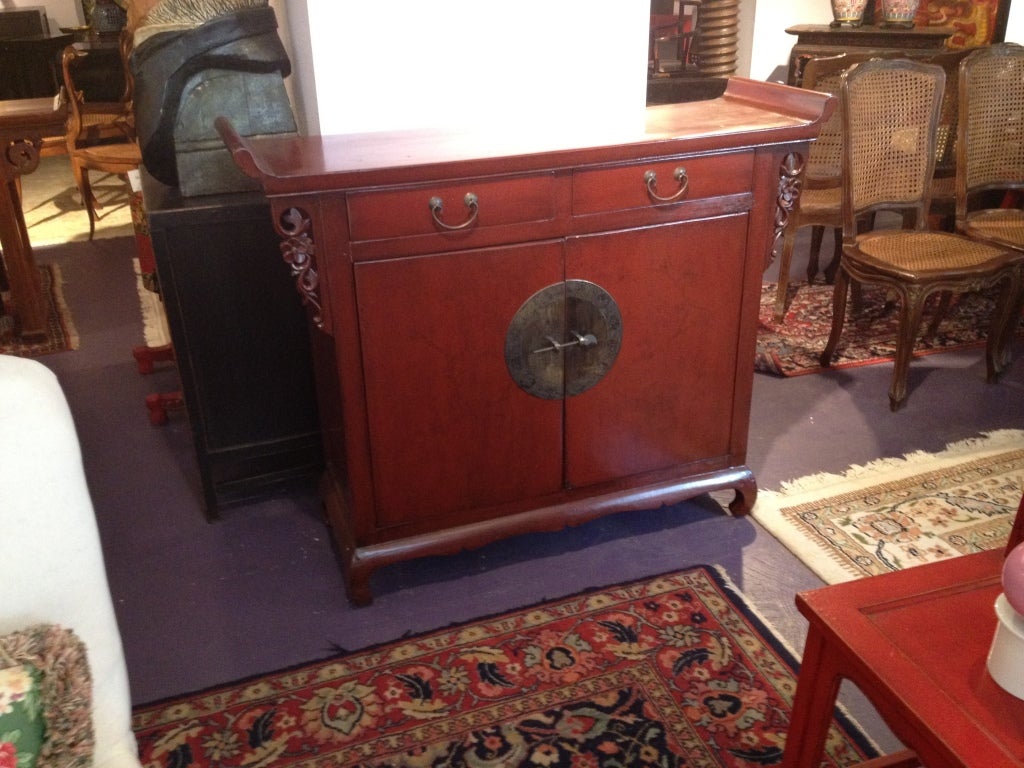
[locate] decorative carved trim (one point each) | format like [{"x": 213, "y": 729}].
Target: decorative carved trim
[
  {"x": 299, "y": 252},
  {"x": 790, "y": 184},
  {"x": 21, "y": 156}
]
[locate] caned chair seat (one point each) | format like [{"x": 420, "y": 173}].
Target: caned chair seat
[
  {"x": 128, "y": 155},
  {"x": 100, "y": 125},
  {"x": 910, "y": 254},
  {"x": 1000, "y": 225},
  {"x": 891, "y": 113}
]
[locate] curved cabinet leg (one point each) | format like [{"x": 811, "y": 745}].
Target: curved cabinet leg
[{"x": 746, "y": 495}]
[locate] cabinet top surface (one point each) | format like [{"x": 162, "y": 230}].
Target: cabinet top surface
[{"x": 748, "y": 114}]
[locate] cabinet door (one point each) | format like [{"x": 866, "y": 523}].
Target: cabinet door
[
  {"x": 450, "y": 432},
  {"x": 668, "y": 399}
]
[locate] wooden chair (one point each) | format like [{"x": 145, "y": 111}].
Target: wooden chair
[
  {"x": 820, "y": 202},
  {"x": 990, "y": 145},
  {"x": 890, "y": 116},
  {"x": 990, "y": 153},
  {"x": 98, "y": 139}
]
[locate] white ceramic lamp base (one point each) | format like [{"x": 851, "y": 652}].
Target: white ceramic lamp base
[{"x": 1006, "y": 657}]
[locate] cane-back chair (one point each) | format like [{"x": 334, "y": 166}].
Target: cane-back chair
[
  {"x": 890, "y": 116},
  {"x": 943, "y": 206},
  {"x": 991, "y": 145},
  {"x": 990, "y": 152},
  {"x": 97, "y": 140},
  {"x": 820, "y": 202}
]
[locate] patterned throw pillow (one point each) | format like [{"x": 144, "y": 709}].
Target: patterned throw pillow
[
  {"x": 21, "y": 717},
  {"x": 45, "y": 699}
]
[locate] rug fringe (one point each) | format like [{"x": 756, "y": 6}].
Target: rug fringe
[
  {"x": 985, "y": 443},
  {"x": 154, "y": 319},
  {"x": 63, "y": 312}
]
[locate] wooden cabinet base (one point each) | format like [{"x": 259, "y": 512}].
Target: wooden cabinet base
[{"x": 359, "y": 562}]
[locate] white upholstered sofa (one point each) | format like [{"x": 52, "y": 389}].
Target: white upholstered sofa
[{"x": 51, "y": 565}]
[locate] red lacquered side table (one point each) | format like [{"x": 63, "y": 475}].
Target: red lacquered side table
[{"x": 915, "y": 642}]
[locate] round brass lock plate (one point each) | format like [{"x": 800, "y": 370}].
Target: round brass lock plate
[{"x": 563, "y": 339}]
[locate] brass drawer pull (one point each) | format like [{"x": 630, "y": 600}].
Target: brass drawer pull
[
  {"x": 679, "y": 174},
  {"x": 437, "y": 207}
]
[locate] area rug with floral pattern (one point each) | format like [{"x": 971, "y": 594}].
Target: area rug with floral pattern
[
  {"x": 675, "y": 670},
  {"x": 792, "y": 347},
  {"x": 896, "y": 513},
  {"x": 60, "y": 328}
]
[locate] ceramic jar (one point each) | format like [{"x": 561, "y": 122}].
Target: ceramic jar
[
  {"x": 848, "y": 13},
  {"x": 899, "y": 13}
]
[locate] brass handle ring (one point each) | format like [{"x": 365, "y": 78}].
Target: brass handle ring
[
  {"x": 437, "y": 208},
  {"x": 679, "y": 174}
]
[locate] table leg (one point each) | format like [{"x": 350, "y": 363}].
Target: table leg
[
  {"x": 814, "y": 705},
  {"x": 22, "y": 274}
]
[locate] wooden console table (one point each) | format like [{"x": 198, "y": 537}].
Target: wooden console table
[
  {"x": 823, "y": 40},
  {"x": 915, "y": 642},
  {"x": 24, "y": 123},
  {"x": 517, "y": 330}
]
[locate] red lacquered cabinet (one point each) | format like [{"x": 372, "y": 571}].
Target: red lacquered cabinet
[{"x": 516, "y": 332}]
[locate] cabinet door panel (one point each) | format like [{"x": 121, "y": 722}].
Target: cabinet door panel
[
  {"x": 450, "y": 432},
  {"x": 668, "y": 399}
]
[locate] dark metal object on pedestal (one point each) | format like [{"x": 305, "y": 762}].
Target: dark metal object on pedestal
[{"x": 233, "y": 66}]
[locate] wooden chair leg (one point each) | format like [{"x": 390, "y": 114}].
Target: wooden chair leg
[
  {"x": 1005, "y": 319},
  {"x": 839, "y": 293},
  {"x": 837, "y": 253},
  {"x": 945, "y": 300},
  {"x": 89, "y": 201},
  {"x": 817, "y": 235},
  {"x": 911, "y": 310}
]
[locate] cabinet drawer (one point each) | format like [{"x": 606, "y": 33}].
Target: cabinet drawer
[
  {"x": 626, "y": 187},
  {"x": 408, "y": 212}
]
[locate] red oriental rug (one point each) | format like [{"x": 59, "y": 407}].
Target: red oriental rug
[
  {"x": 673, "y": 671},
  {"x": 792, "y": 347}
]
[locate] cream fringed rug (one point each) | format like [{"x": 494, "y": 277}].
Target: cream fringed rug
[
  {"x": 154, "y": 319},
  {"x": 895, "y": 513}
]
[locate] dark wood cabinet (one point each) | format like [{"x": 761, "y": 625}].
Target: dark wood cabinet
[
  {"x": 823, "y": 40},
  {"x": 448, "y": 273},
  {"x": 240, "y": 340}
]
